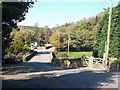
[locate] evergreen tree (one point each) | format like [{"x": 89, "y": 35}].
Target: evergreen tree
[{"x": 101, "y": 37}]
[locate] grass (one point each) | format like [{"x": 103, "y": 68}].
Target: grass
[{"x": 72, "y": 55}]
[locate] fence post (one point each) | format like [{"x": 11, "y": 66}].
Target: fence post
[{"x": 91, "y": 62}]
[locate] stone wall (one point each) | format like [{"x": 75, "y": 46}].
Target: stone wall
[
  {"x": 28, "y": 57},
  {"x": 115, "y": 65},
  {"x": 79, "y": 62},
  {"x": 66, "y": 63}
]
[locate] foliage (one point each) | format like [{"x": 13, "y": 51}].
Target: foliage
[
  {"x": 31, "y": 35},
  {"x": 44, "y": 34},
  {"x": 101, "y": 37},
  {"x": 82, "y": 34},
  {"x": 22, "y": 37},
  {"x": 26, "y": 48},
  {"x": 12, "y": 13},
  {"x": 18, "y": 41},
  {"x": 41, "y": 35}
]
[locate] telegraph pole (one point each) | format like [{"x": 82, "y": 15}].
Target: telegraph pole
[
  {"x": 45, "y": 35},
  {"x": 58, "y": 40},
  {"x": 108, "y": 34},
  {"x": 68, "y": 42}
]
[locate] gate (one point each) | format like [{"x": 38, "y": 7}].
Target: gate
[{"x": 93, "y": 62}]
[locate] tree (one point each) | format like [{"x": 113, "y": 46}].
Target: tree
[
  {"x": 54, "y": 39},
  {"x": 12, "y": 13},
  {"x": 101, "y": 36},
  {"x": 18, "y": 41},
  {"x": 82, "y": 35}
]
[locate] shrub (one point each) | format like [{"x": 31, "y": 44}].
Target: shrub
[{"x": 26, "y": 48}]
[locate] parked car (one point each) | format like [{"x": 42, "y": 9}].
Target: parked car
[{"x": 10, "y": 59}]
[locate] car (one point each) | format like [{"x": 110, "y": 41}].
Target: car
[{"x": 10, "y": 59}]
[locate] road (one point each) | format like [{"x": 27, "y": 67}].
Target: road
[{"x": 38, "y": 73}]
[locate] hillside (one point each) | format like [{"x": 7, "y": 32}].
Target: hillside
[{"x": 82, "y": 34}]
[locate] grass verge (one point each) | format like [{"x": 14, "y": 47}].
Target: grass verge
[{"x": 72, "y": 55}]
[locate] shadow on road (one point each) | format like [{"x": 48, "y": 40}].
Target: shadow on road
[
  {"x": 28, "y": 67},
  {"x": 84, "y": 79},
  {"x": 43, "y": 52}
]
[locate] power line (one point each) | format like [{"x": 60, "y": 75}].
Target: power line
[{"x": 98, "y": 7}]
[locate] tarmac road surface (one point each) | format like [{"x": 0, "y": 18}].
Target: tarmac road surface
[{"x": 38, "y": 73}]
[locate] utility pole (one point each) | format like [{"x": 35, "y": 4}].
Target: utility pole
[
  {"x": 46, "y": 27},
  {"x": 108, "y": 35},
  {"x": 68, "y": 42},
  {"x": 58, "y": 39},
  {"x": 45, "y": 35}
]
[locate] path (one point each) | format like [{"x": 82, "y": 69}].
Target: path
[{"x": 38, "y": 73}]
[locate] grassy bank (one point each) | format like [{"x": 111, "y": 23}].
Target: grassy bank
[{"x": 73, "y": 55}]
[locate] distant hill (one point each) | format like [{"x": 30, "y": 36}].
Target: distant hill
[{"x": 28, "y": 27}]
